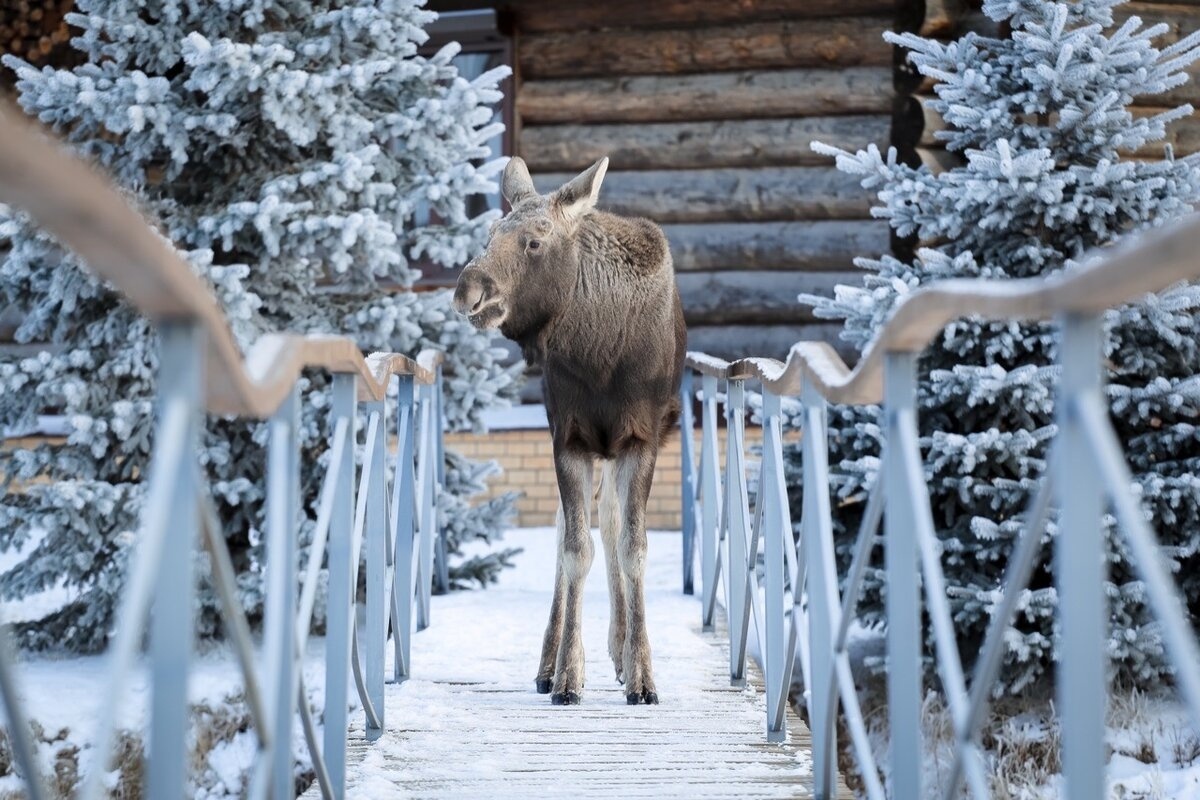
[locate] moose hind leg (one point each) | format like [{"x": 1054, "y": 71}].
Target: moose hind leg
[
  {"x": 635, "y": 471},
  {"x": 575, "y": 553},
  {"x": 610, "y": 534},
  {"x": 554, "y": 627}
]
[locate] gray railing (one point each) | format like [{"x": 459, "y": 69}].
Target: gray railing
[
  {"x": 802, "y": 614},
  {"x": 393, "y": 529}
]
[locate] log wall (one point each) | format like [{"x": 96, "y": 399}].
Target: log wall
[
  {"x": 37, "y": 31},
  {"x": 707, "y": 110}
]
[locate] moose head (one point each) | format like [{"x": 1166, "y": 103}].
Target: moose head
[{"x": 524, "y": 275}]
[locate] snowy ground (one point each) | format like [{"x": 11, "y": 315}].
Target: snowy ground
[{"x": 1155, "y": 751}]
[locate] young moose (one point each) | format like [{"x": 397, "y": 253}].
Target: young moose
[{"x": 591, "y": 297}]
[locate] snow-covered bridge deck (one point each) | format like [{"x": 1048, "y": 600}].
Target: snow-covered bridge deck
[{"x": 469, "y": 723}]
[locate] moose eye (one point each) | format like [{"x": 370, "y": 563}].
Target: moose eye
[{"x": 534, "y": 244}]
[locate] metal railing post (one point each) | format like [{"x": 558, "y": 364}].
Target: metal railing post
[
  {"x": 376, "y": 556},
  {"x": 710, "y": 509},
  {"x": 403, "y": 589},
  {"x": 340, "y": 613},
  {"x": 688, "y": 482},
  {"x": 777, "y": 534},
  {"x": 903, "y": 605},
  {"x": 738, "y": 525},
  {"x": 427, "y": 516},
  {"x": 1079, "y": 564},
  {"x": 180, "y": 379},
  {"x": 20, "y": 734},
  {"x": 279, "y": 623},
  {"x": 816, "y": 536},
  {"x": 442, "y": 571}
]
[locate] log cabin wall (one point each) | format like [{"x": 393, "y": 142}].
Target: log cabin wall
[{"x": 707, "y": 109}]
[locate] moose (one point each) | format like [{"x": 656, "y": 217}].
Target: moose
[{"x": 590, "y": 297}]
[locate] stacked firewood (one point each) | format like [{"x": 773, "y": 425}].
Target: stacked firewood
[{"x": 35, "y": 30}]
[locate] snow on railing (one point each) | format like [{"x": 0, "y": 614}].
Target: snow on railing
[
  {"x": 800, "y": 615},
  {"x": 394, "y": 530}
]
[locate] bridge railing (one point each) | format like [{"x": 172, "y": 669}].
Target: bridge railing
[
  {"x": 390, "y": 523},
  {"x": 802, "y": 613}
]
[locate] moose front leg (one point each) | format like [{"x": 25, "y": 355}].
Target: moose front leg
[
  {"x": 554, "y": 628},
  {"x": 575, "y": 552},
  {"x": 635, "y": 471}
]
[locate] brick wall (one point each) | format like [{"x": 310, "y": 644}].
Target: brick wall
[{"x": 525, "y": 456}]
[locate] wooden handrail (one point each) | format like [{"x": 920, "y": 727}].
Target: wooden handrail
[
  {"x": 1147, "y": 263},
  {"x": 69, "y": 198}
]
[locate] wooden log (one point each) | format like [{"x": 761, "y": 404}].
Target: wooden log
[
  {"x": 939, "y": 160},
  {"x": 755, "y": 297},
  {"x": 540, "y": 16},
  {"x": 753, "y": 195},
  {"x": 1183, "y": 136},
  {"x": 727, "y": 95},
  {"x": 1189, "y": 92},
  {"x": 825, "y": 245},
  {"x": 1180, "y": 19},
  {"x": 732, "y": 342},
  {"x": 836, "y": 42},
  {"x": 931, "y": 123},
  {"x": 729, "y": 143},
  {"x": 941, "y": 18}
]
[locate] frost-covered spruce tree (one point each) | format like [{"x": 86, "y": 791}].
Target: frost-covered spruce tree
[
  {"x": 285, "y": 147},
  {"x": 1041, "y": 120}
]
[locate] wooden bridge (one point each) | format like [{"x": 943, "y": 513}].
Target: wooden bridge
[
  {"x": 467, "y": 722},
  {"x": 459, "y": 717}
]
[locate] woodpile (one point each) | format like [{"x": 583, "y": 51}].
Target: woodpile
[{"x": 35, "y": 30}]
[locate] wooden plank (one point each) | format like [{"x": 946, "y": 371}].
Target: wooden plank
[
  {"x": 726, "y": 143},
  {"x": 726, "y": 95},
  {"x": 732, "y": 342},
  {"x": 834, "y": 42},
  {"x": 814, "y": 246},
  {"x": 754, "y": 195},
  {"x": 755, "y": 297},
  {"x": 539, "y": 16}
]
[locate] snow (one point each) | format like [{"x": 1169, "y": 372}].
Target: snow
[
  {"x": 66, "y": 693},
  {"x": 513, "y": 418},
  {"x": 461, "y": 717},
  {"x": 34, "y": 606}
]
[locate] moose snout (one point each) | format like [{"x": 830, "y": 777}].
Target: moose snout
[
  {"x": 468, "y": 296},
  {"x": 478, "y": 299}
]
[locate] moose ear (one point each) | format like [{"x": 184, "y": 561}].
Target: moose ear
[
  {"x": 579, "y": 195},
  {"x": 516, "y": 184}
]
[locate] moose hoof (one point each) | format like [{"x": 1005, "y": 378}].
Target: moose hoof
[
  {"x": 647, "y": 697},
  {"x": 544, "y": 684},
  {"x": 564, "y": 699}
]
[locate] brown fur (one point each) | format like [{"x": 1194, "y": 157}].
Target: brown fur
[{"x": 591, "y": 297}]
